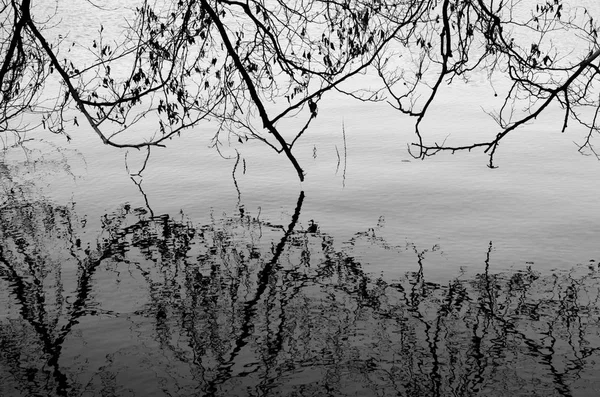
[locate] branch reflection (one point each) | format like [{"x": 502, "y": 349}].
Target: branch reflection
[{"x": 241, "y": 306}]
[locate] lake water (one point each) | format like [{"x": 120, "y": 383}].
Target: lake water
[{"x": 378, "y": 275}]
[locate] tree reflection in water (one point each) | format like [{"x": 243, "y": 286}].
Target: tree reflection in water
[{"x": 240, "y": 306}]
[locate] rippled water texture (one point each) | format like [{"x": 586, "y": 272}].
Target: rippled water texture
[
  {"x": 378, "y": 276},
  {"x": 148, "y": 304}
]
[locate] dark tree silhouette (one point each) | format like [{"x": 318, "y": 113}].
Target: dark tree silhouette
[
  {"x": 249, "y": 65},
  {"x": 188, "y": 61},
  {"x": 544, "y": 57}
]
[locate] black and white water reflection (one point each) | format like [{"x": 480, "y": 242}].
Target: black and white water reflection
[{"x": 138, "y": 303}]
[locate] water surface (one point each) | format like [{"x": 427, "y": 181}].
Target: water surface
[{"x": 379, "y": 275}]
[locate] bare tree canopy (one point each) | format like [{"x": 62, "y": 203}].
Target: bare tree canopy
[{"x": 250, "y": 64}]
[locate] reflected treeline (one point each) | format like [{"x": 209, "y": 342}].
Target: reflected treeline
[{"x": 157, "y": 305}]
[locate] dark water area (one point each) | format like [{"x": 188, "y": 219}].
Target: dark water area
[{"x": 151, "y": 304}]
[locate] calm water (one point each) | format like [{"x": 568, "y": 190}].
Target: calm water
[{"x": 380, "y": 275}]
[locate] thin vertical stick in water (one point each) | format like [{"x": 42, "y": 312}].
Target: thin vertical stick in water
[{"x": 345, "y": 154}]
